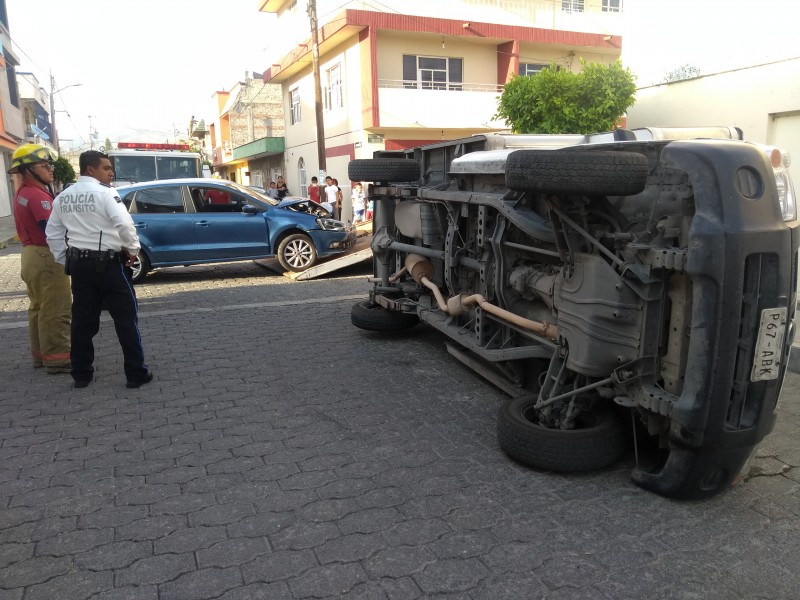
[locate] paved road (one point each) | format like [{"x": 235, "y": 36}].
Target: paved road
[{"x": 259, "y": 465}]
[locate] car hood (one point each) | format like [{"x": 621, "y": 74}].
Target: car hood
[{"x": 305, "y": 205}]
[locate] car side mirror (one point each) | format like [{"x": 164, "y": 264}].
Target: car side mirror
[{"x": 249, "y": 209}]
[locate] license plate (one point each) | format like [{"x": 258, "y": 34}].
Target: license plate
[{"x": 769, "y": 345}]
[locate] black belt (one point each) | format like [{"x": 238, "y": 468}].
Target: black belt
[{"x": 95, "y": 254}]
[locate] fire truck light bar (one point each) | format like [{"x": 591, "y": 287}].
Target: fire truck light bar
[{"x": 142, "y": 146}]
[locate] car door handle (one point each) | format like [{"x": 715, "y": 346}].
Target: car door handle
[
  {"x": 202, "y": 223},
  {"x": 140, "y": 225}
]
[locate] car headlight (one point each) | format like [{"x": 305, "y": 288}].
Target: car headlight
[
  {"x": 786, "y": 195},
  {"x": 330, "y": 224},
  {"x": 780, "y": 161}
]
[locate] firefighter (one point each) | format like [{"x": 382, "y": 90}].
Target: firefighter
[
  {"x": 48, "y": 286},
  {"x": 101, "y": 248}
]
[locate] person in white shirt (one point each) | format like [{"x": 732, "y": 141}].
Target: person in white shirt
[
  {"x": 359, "y": 203},
  {"x": 92, "y": 234},
  {"x": 331, "y": 196}
]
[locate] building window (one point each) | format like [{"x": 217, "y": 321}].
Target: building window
[
  {"x": 572, "y": 6},
  {"x": 334, "y": 98},
  {"x": 294, "y": 101},
  {"x": 531, "y": 68},
  {"x": 612, "y": 5},
  {"x": 13, "y": 94},
  {"x": 302, "y": 177},
  {"x": 432, "y": 73}
]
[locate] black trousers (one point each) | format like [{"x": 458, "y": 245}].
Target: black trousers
[{"x": 93, "y": 288}]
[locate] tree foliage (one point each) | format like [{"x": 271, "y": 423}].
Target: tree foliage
[
  {"x": 63, "y": 171},
  {"x": 559, "y": 101}
]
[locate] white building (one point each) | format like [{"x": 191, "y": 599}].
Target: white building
[{"x": 763, "y": 100}]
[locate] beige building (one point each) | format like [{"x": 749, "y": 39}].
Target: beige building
[
  {"x": 400, "y": 73},
  {"x": 246, "y": 136},
  {"x": 762, "y": 100}
]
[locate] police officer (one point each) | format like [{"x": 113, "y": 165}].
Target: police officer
[
  {"x": 91, "y": 231},
  {"x": 48, "y": 286}
]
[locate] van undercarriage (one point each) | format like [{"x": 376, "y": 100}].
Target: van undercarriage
[{"x": 593, "y": 276}]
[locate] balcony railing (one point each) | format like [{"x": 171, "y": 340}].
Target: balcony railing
[
  {"x": 474, "y": 105},
  {"x": 452, "y": 87}
]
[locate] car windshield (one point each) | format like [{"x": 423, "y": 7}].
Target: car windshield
[
  {"x": 178, "y": 166},
  {"x": 248, "y": 191}
]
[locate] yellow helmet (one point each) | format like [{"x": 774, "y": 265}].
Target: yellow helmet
[{"x": 30, "y": 154}]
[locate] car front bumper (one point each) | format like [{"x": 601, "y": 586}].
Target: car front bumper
[
  {"x": 333, "y": 242},
  {"x": 741, "y": 264}
]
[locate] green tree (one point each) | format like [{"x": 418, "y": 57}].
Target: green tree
[
  {"x": 63, "y": 171},
  {"x": 559, "y": 101}
]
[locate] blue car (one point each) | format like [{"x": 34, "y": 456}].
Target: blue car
[{"x": 196, "y": 221}]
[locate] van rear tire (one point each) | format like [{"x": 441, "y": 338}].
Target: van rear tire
[{"x": 373, "y": 317}]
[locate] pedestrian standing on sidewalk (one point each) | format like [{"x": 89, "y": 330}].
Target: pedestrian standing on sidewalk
[
  {"x": 359, "y": 203},
  {"x": 91, "y": 232},
  {"x": 313, "y": 190},
  {"x": 331, "y": 196},
  {"x": 280, "y": 185},
  {"x": 48, "y": 286},
  {"x": 339, "y": 197}
]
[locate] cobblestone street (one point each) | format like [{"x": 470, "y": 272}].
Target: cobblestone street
[{"x": 281, "y": 453}]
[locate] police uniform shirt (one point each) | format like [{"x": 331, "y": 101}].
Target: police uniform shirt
[{"x": 90, "y": 216}]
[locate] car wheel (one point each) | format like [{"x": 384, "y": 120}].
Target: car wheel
[
  {"x": 383, "y": 169},
  {"x": 140, "y": 267},
  {"x": 577, "y": 172},
  {"x": 598, "y": 441},
  {"x": 296, "y": 252},
  {"x": 373, "y": 317}
]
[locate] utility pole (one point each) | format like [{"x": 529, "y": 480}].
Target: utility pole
[
  {"x": 91, "y": 137},
  {"x": 312, "y": 15},
  {"x": 53, "y": 92},
  {"x": 53, "y": 134}
]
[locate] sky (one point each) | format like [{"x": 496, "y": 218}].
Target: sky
[
  {"x": 147, "y": 66},
  {"x": 713, "y": 35}
]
